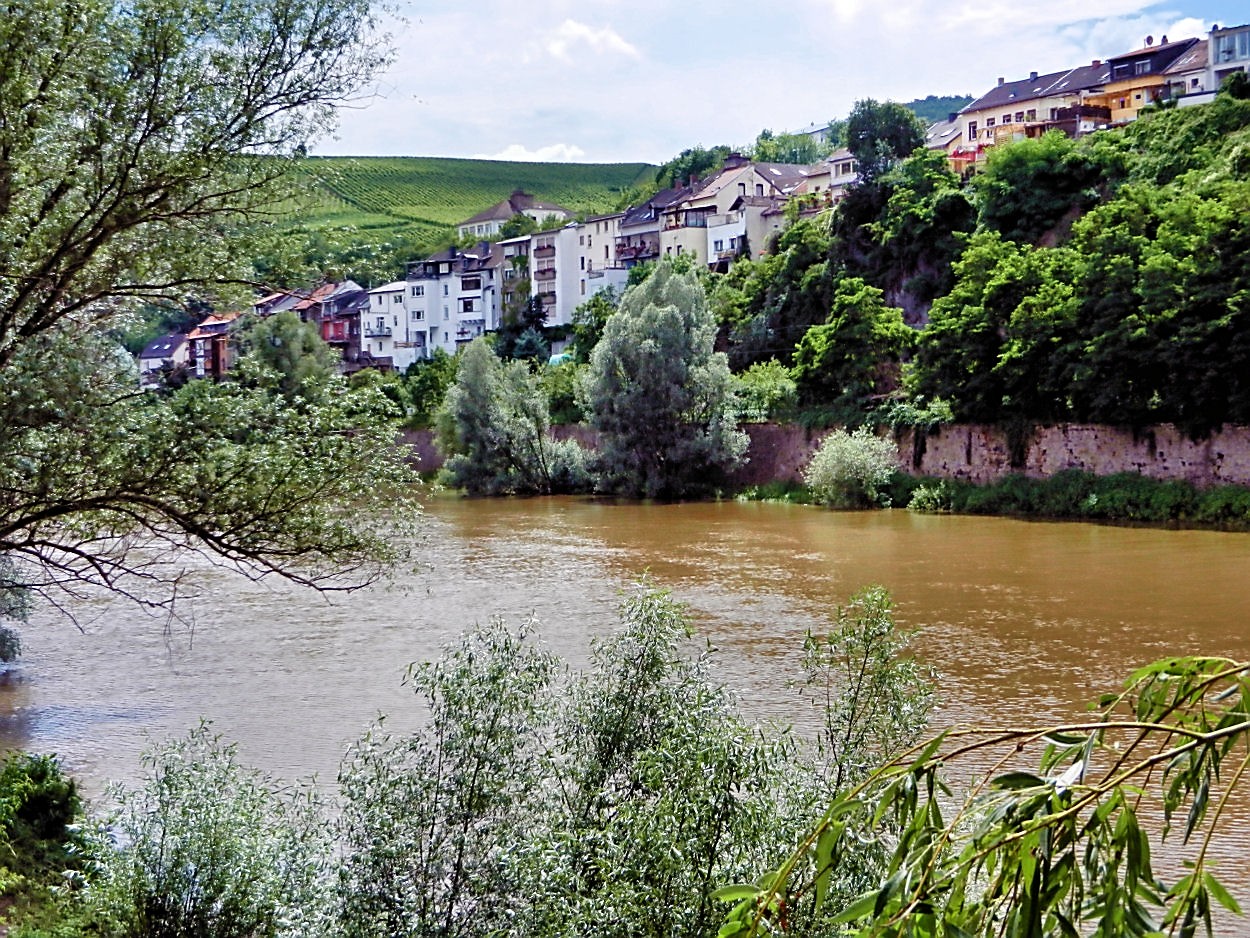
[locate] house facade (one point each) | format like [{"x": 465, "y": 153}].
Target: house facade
[{"x": 1229, "y": 52}]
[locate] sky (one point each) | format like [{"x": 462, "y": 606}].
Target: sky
[{"x": 641, "y": 80}]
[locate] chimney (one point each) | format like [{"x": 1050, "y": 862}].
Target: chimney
[
  {"x": 1163, "y": 41},
  {"x": 1001, "y": 80},
  {"x": 1032, "y": 76},
  {"x": 951, "y": 115},
  {"x": 1095, "y": 63}
]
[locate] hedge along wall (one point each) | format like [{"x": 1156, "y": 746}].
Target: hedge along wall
[{"x": 779, "y": 452}]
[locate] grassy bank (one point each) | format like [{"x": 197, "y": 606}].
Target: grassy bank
[{"x": 1123, "y": 498}]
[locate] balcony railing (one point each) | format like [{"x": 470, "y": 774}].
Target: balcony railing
[
  {"x": 547, "y": 273},
  {"x": 377, "y": 332},
  {"x": 546, "y": 251}
]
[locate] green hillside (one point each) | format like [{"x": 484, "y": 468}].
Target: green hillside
[
  {"x": 370, "y": 191},
  {"x": 366, "y": 217}
]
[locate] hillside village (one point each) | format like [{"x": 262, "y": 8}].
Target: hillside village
[{"x": 451, "y": 297}]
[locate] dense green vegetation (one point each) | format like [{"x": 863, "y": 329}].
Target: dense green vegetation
[{"x": 533, "y": 800}]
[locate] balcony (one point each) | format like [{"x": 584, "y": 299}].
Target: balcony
[
  {"x": 377, "y": 332},
  {"x": 547, "y": 273},
  {"x": 545, "y": 251}
]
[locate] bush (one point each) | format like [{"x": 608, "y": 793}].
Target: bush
[
  {"x": 850, "y": 470},
  {"x": 765, "y": 391},
  {"x": 209, "y": 849}
]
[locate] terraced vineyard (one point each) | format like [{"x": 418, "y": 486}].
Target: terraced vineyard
[{"x": 369, "y": 191}]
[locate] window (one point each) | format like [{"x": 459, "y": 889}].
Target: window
[
  {"x": 1142, "y": 68},
  {"x": 466, "y": 305},
  {"x": 418, "y": 291},
  {"x": 742, "y": 188},
  {"x": 1006, "y": 119},
  {"x": 581, "y": 240},
  {"x": 972, "y": 135},
  {"x": 379, "y": 299},
  {"x": 418, "y": 315},
  {"x": 583, "y": 288},
  {"x": 733, "y": 244},
  {"x": 395, "y": 320},
  {"x": 446, "y": 314},
  {"x": 989, "y": 122},
  {"x": 444, "y": 289},
  {"x": 605, "y": 252},
  {"x": 1019, "y": 117},
  {"x": 759, "y": 188},
  {"x": 1030, "y": 114},
  {"x": 718, "y": 246},
  {"x": 582, "y": 262},
  {"x": 397, "y": 298}
]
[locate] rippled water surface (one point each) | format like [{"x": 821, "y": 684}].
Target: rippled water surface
[{"x": 1024, "y": 622}]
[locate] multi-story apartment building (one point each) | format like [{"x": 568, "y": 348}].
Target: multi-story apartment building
[{"x": 1229, "y": 52}]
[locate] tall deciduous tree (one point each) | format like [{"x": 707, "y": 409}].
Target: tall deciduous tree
[
  {"x": 138, "y": 140},
  {"x": 660, "y": 397},
  {"x": 879, "y": 134}
]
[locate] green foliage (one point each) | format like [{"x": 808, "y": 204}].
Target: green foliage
[
  {"x": 616, "y": 800},
  {"x": 660, "y": 398},
  {"x": 39, "y": 806},
  {"x": 788, "y": 148},
  {"x": 428, "y": 820},
  {"x": 427, "y": 381},
  {"x": 563, "y": 385},
  {"x": 208, "y": 849},
  {"x": 519, "y": 224},
  {"x": 285, "y": 354},
  {"x": 1062, "y": 850},
  {"x": 765, "y": 391},
  {"x": 879, "y": 134},
  {"x": 1028, "y": 187},
  {"x": 493, "y": 430},
  {"x": 588, "y": 321},
  {"x": 934, "y": 108},
  {"x": 849, "y": 470},
  {"x": 855, "y": 355},
  {"x": 140, "y": 168},
  {"x": 1073, "y": 493},
  {"x": 695, "y": 162},
  {"x": 769, "y": 304}
]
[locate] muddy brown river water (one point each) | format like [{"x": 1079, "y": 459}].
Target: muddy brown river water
[{"x": 1024, "y": 622}]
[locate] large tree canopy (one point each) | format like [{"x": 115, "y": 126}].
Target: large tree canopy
[
  {"x": 138, "y": 140},
  {"x": 660, "y": 398}
]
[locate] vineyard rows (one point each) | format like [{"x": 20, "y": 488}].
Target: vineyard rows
[{"x": 446, "y": 191}]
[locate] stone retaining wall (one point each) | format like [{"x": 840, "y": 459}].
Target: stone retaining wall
[{"x": 779, "y": 452}]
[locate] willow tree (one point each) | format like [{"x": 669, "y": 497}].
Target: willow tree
[
  {"x": 660, "y": 398},
  {"x": 139, "y": 143}
]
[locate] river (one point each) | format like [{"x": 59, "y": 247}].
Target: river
[{"x": 1024, "y": 622}]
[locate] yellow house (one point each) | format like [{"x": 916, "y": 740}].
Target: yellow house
[{"x": 1139, "y": 78}]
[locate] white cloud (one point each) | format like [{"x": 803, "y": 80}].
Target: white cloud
[
  {"x": 571, "y": 34},
  {"x": 555, "y": 153}
]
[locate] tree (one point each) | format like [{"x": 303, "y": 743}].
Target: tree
[
  {"x": 131, "y": 171},
  {"x": 856, "y": 353},
  {"x": 1065, "y": 850},
  {"x": 1029, "y": 187},
  {"x": 879, "y": 134},
  {"x": 493, "y": 430},
  {"x": 282, "y": 349},
  {"x": 660, "y": 398},
  {"x": 788, "y": 148},
  {"x": 206, "y": 847}
]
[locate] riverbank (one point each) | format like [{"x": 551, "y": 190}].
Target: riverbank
[{"x": 981, "y": 454}]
